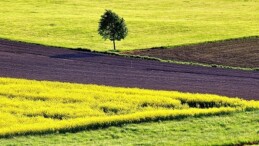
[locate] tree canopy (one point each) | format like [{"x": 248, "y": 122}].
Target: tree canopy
[{"x": 112, "y": 27}]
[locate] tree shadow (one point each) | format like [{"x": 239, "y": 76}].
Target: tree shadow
[{"x": 76, "y": 55}]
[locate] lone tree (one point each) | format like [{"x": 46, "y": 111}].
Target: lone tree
[{"x": 112, "y": 27}]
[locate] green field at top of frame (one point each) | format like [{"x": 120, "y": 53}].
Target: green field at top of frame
[{"x": 151, "y": 23}]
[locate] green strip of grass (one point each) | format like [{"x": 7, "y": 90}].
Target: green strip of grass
[
  {"x": 121, "y": 53},
  {"x": 128, "y": 54},
  {"x": 151, "y": 23},
  {"x": 236, "y": 128},
  {"x": 185, "y": 62}
]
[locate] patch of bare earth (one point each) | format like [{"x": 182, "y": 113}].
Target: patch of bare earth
[
  {"x": 31, "y": 61},
  {"x": 236, "y": 53}
]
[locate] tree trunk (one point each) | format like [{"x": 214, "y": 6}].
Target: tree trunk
[{"x": 114, "y": 47}]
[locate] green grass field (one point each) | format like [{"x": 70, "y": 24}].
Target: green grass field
[
  {"x": 151, "y": 23},
  {"x": 56, "y": 109},
  {"x": 230, "y": 129}
]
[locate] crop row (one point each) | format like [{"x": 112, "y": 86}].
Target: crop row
[{"x": 29, "y": 107}]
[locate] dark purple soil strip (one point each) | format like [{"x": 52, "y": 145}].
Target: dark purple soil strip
[{"x": 30, "y": 61}]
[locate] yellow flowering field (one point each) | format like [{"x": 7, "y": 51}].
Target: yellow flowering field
[{"x": 37, "y": 107}]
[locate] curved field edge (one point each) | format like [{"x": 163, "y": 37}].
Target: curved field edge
[
  {"x": 80, "y": 124},
  {"x": 65, "y": 107},
  {"x": 185, "y": 62},
  {"x": 73, "y": 24},
  {"x": 179, "y": 54},
  {"x": 239, "y": 128},
  {"x": 129, "y": 54}
]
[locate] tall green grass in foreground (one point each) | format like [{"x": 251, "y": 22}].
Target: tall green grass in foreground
[
  {"x": 236, "y": 128},
  {"x": 151, "y": 23}
]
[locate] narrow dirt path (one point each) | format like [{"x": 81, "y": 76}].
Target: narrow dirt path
[{"x": 21, "y": 60}]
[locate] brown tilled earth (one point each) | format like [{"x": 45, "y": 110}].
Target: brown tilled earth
[
  {"x": 236, "y": 53},
  {"x": 30, "y": 61}
]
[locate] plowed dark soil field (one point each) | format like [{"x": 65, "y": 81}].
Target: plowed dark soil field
[
  {"x": 30, "y": 61},
  {"x": 237, "y": 53}
]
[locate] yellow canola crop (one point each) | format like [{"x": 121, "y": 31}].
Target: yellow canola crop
[{"x": 31, "y": 107}]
